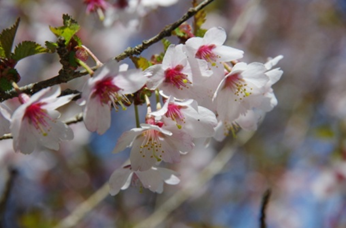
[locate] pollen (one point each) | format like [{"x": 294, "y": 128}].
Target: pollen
[
  {"x": 206, "y": 52},
  {"x": 238, "y": 85},
  {"x": 175, "y": 77},
  {"x": 151, "y": 144}
]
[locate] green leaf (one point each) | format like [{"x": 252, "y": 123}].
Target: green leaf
[
  {"x": 51, "y": 46},
  {"x": 5, "y": 85},
  {"x": 7, "y": 38},
  {"x": 141, "y": 62},
  {"x": 199, "y": 19},
  {"x": 68, "y": 30},
  {"x": 200, "y": 32},
  {"x": 165, "y": 43},
  {"x": 27, "y": 48},
  {"x": 68, "y": 20},
  {"x": 2, "y": 52}
]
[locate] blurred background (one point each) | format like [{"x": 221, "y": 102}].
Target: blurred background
[{"x": 298, "y": 151}]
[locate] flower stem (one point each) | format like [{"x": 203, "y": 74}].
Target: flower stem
[
  {"x": 158, "y": 103},
  {"x": 97, "y": 61},
  {"x": 147, "y": 101},
  {"x": 137, "y": 116},
  {"x": 85, "y": 66}
]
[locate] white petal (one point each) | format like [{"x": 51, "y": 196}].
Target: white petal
[
  {"x": 120, "y": 179},
  {"x": 227, "y": 54},
  {"x": 97, "y": 115},
  {"x": 157, "y": 75},
  {"x": 25, "y": 141},
  {"x": 130, "y": 81},
  {"x": 272, "y": 62},
  {"x": 126, "y": 139},
  {"x": 151, "y": 179},
  {"x": 141, "y": 161},
  {"x": 215, "y": 35},
  {"x": 274, "y": 75},
  {"x": 168, "y": 176}
]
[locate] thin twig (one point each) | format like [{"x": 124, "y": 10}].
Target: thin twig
[
  {"x": 64, "y": 76},
  {"x": 264, "y": 204},
  {"x": 84, "y": 208},
  {"x": 164, "y": 33}
]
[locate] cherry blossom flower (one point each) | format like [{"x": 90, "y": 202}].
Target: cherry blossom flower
[
  {"x": 211, "y": 49},
  {"x": 109, "y": 86},
  {"x": 5, "y": 118},
  {"x": 35, "y": 123},
  {"x": 269, "y": 100},
  {"x": 154, "y": 142},
  {"x": 196, "y": 120},
  {"x": 173, "y": 76},
  {"x": 248, "y": 121},
  {"x": 235, "y": 93},
  {"x": 152, "y": 179}
]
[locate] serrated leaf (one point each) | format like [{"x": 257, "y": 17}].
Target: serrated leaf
[
  {"x": 68, "y": 30},
  {"x": 68, "y": 20},
  {"x": 165, "y": 43},
  {"x": 7, "y": 38},
  {"x": 51, "y": 46},
  {"x": 27, "y": 48}
]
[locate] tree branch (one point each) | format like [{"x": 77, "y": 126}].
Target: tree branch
[
  {"x": 65, "y": 76},
  {"x": 164, "y": 33},
  {"x": 6, "y": 195},
  {"x": 264, "y": 204}
]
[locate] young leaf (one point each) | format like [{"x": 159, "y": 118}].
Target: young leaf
[
  {"x": 7, "y": 38},
  {"x": 51, "y": 46},
  {"x": 68, "y": 30},
  {"x": 27, "y": 48},
  {"x": 165, "y": 43},
  {"x": 140, "y": 62},
  {"x": 199, "y": 20},
  {"x": 2, "y": 52},
  {"x": 5, "y": 85}
]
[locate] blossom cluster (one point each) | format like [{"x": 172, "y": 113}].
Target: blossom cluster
[
  {"x": 127, "y": 12},
  {"x": 207, "y": 93}
]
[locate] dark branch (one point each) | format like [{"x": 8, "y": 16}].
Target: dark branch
[
  {"x": 65, "y": 76},
  {"x": 164, "y": 33},
  {"x": 6, "y": 195},
  {"x": 264, "y": 204}
]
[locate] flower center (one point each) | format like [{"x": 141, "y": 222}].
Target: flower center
[
  {"x": 206, "y": 52},
  {"x": 38, "y": 117},
  {"x": 238, "y": 85},
  {"x": 107, "y": 91},
  {"x": 175, "y": 114},
  {"x": 176, "y": 77},
  {"x": 151, "y": 144}
]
